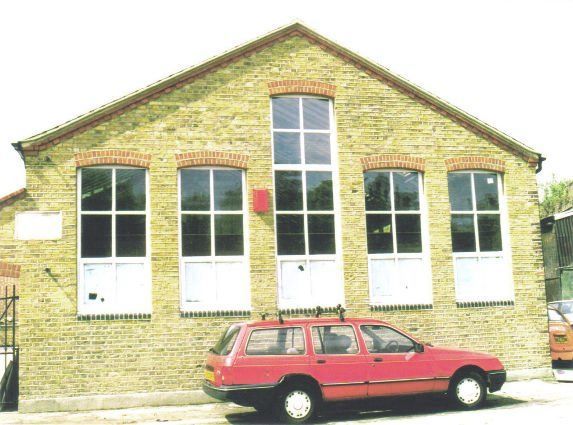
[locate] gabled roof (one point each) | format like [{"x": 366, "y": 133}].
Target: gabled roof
[
  {"x": 12, "y": 197},
  {"x": 34, "y": 144}
]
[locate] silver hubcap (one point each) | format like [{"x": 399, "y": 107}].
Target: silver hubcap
[
  {"x": 468, "y": 391},
  {"x": 297, "y": 404}
]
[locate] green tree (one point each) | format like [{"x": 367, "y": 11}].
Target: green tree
[{"x": 557, "y": 197}]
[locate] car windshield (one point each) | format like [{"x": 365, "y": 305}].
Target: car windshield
[
  {"x": 565, "y": 308},
  {"x": 227, "y": 341}
]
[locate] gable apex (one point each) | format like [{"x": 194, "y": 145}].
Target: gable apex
[{"x": 51, "y": 137}]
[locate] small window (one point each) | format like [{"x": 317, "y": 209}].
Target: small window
[
  {"x": 382, "y": 339},
  {"x": 276, "y": 342},
  {"x": 334, "y": 340}
]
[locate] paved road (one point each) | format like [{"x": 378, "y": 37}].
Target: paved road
[{"x": 519, "y": 402}]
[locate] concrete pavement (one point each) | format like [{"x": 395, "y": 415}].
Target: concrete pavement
[{"x": 518, "y": 402}]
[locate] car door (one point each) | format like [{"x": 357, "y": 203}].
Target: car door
[
  {"x": 338, "y": 363},
  {"x": 394, "y": 366}
]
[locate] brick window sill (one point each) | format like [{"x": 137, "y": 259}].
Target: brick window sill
[
  {"x": 400, "y": 307},
  {"x": 472, "y": 304},
  {"x": 114, "y": 316},
  {"x": 215, "y": 313}
]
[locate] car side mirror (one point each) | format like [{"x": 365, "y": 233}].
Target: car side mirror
[{"x": 418, "y": 348}]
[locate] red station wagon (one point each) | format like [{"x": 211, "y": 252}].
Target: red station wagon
[{"x": 289, "y": 367}]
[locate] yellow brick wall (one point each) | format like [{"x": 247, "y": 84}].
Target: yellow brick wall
[{"x": 229, "y": 110}]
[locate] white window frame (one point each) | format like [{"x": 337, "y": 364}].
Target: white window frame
[
  {"x": 118, "y": 307},
  {"x": 394, "y": 299},
  {"x": 213, "y": 259},
  {"x": 315, "y": 299},
  {"x": 505, "y": 284}
]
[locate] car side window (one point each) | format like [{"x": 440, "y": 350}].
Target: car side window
[
  {"x": 381, "y": 339},
  {"x": 334, "y": 340},
  {"x": 276, "y": 342}
]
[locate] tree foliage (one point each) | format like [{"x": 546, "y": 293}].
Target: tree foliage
[{"x": 557, "y": 197}]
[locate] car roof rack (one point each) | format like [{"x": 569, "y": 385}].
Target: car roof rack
[{"x": 318, "y": 311}]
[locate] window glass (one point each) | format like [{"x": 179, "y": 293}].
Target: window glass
[
  {"x": 288, "y": 190},
  {"x": 321, "y": 234},
  {"x": 334, "y": 340},
  {"x": 96, "y": 189},
  {"x": 229, "y": 234},
  {"x": 460, "y": 190},
  {"x": 225, "y": 344},
  {"x": 377, "y": 190},
  {"x": 130, "y": 235},
  {"x": 290, "y": 234},
  {"x": 319, "y": 191},
  {"x": 381, "y": 339},
  {"x": 130, "y": 189},
  {"x": 316, "y": 148},
  {"x": 379, "y": 231},
  {"x": 406, "y": 191},
  {"x": 286, "y": 148},
  {"x": 285, "y": 113},
  {"x": 408, "y": 233},
  {"x": 276, "y": 342},
  {"x": 315, "y": 114},
  {"x": 228, "y": 190},
  {"x": 463, "y": 233},
  {"x": 196, "y": 235},
  {"x": 195, "y": 190},
  {"x": 486, "y": 191},
  {"x": 96, "y": 236},
  {"x": 489, "y": 231}
]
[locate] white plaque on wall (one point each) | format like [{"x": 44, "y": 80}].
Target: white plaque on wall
[{"x": 35, "y": 225}]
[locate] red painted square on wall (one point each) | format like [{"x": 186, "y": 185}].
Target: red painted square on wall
[{"x": 260, "y": 200}]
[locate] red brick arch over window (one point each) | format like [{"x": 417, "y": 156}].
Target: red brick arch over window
[
  {"x": 113, "y": 157},
  {"x": 225, "y": 159},
  {"x": 9, "y": 270},
  {"x": 475, "y": 163},
  {"x": 373, "y": 162},
  {"x": 301, "y": 87}
]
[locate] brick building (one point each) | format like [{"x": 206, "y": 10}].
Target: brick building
[{"x": 284, "y": 174}]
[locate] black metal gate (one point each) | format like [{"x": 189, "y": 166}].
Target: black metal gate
[{"x": 9, "y": 350}]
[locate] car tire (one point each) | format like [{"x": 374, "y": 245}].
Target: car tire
[
  {"x": 468, "y": 390},
  {"x": 296, "y": 404}
]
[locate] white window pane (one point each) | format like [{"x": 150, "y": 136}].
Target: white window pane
[
  {"x": 383, "y": 277},
  {"x": 411, "y": 279},
  {"x": 324, "y": 280},
  {"x": 494, "y": 279},
  {"x": 294, "y": 281},
  {"x": 230, "y": 278},
  {"x": 131, "y": 285},
  {"x": 198, "y": 277},
  {"x": 467, "y": 278},
  {"x": 98, "y": 284}
]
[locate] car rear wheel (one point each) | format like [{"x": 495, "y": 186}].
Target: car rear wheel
[
  {"x": 468, "y": 390},
  {"x": 296, "y": 404}
]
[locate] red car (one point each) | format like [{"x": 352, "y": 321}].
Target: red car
[{"x": 289, "y": 367}]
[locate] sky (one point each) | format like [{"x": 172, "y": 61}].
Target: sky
[{"x": 509, "y": 63}]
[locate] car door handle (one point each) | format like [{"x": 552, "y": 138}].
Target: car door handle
[
  {"x": 321, "y": 361},
  {"x": 378, "y": 359}
]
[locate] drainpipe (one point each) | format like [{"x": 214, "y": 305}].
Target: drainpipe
[{"x": 540, "y": 160}]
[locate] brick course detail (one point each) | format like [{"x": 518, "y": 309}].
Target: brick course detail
[
  {"x": 373, "y": 162},
  {"x": 301, "y": 87},
  {"x": 475, "y": 163},
  {"x": 113, "y": 157},
  {"x": 9, "y": 270},
  {"x": 226, "y": 159}
]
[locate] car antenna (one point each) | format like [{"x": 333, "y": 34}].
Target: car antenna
[
  {"x": 341, "y": 310},
  {"x": 280, "y": 316},
  {"x": 318, "y": 311},
  {"x": 264, "y": 316}
]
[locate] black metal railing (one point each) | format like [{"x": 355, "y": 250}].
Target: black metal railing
[{"x": 9, "y": 385}]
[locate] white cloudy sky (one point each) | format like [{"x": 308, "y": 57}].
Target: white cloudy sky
[{"x": 508, "y": 62}]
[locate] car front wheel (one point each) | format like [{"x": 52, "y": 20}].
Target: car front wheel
[
  {"x": 296, "y": 404},
  {"x": 468, "y": 391}
]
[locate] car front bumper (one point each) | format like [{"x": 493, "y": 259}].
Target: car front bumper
[
  {"x": 496, "y": 379},
  {"x": 244, "y": 395}
]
